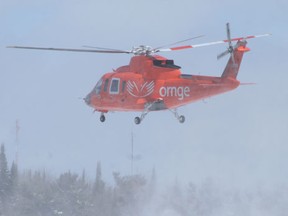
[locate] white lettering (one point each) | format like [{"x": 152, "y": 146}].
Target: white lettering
[
  {"x": 162, "y": 92},
  {"x": 172, "y": 91}
]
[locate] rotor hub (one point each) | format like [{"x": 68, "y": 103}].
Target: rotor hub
[{"x": 142, "y": 50}]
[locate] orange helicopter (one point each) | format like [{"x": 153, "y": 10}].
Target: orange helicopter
[{"x": 151, "y": 82}]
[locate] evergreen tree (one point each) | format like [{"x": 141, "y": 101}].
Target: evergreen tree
[
  {"x": 99, "y": 185},
  {"x": 83, "y": 178},
  {"x": 4, "y": 174},
  {"x": 14, "y": 177},
  {"x": 130, "y": 194},
  {"x": 152, "y": 184}
]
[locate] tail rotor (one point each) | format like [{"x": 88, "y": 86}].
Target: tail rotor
[{"x": 230, "y": 48}]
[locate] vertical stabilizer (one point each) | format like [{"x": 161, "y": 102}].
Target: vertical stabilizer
[{"x": 233, "y": 65}]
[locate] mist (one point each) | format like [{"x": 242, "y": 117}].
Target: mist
[{"x": 39, "y": 193}]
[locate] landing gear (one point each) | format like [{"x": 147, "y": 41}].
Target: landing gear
[
  {"x": 137, "y": 120},
  {"x": 102, "y": 117},
  {"x": 180, "y": 118},
  {"x": 148, "y": 106}
]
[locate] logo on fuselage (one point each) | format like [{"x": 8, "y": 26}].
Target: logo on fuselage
[
  {"x": 172, "y": 91},
  {"x": 147, "y": 88},
  {"x": 142, "y": 90}
]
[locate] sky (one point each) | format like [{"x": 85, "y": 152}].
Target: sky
[{"x": 238, "y": 139}]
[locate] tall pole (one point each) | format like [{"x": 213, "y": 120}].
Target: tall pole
[
  {"x": 132, "y": 153},
  {"x": 17, "y": 141}
]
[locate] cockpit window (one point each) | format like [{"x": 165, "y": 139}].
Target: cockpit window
[
  {"x": 106, "y": 85},
  {"x": 98, "y": 86}
]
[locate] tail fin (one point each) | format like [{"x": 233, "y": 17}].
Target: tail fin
[{"x": 233, "y": 65}]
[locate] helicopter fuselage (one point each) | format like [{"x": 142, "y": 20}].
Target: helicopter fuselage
[{"x": 153, "y": 83}]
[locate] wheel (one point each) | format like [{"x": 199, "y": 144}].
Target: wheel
[
  {"x": 137, "y": 120},
  {"x": 102, "y": 118},
  {"x": 181, "y": 119}
]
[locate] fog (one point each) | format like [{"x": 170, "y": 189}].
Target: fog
[
  {"x": 236, "y": 141},
  {"x": 39, "y": 193}
]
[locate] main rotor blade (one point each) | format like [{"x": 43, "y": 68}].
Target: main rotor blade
[
  {"x": 103, "y": 48},
  {"x": 71, "y": 50},
  {"x": 210, "y": 43},
  {"x": 178, "y": 42}
]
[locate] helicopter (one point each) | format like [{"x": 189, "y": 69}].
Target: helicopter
[{"x": 151, "y": 82}]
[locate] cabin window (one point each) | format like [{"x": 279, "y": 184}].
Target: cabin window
[
  {"x": 114, "y": 87},
  {"x": 123, "y": 86},
  {"x": 106, "y": 85}
]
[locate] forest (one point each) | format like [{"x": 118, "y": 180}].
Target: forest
[{"x": 37, "y": 193}]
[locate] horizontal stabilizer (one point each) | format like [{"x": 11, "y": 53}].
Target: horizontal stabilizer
[{"x": 248, "y": 83}]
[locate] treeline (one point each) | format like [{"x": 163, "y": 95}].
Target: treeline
[{"x": 37, "y": 193}]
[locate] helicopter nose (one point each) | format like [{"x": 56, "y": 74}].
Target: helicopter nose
[{"x": 87, "y": 99}]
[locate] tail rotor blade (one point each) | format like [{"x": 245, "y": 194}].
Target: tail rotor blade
[
  {"x": 221, "y": 55},
  {"x": 230, "y": 48},
  {"x": 228, "y": 34}
]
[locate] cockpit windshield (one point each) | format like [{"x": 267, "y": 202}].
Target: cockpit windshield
[{"x": 97, "y": 88}]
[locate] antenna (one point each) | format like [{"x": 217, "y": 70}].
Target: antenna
[
  {"x": 133, "y": 157},
  {"x": 132, "y": 153},
  {"x": 17, "y": 127}
]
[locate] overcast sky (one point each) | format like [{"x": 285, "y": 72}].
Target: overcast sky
[{"x": 238, "y": 138}]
